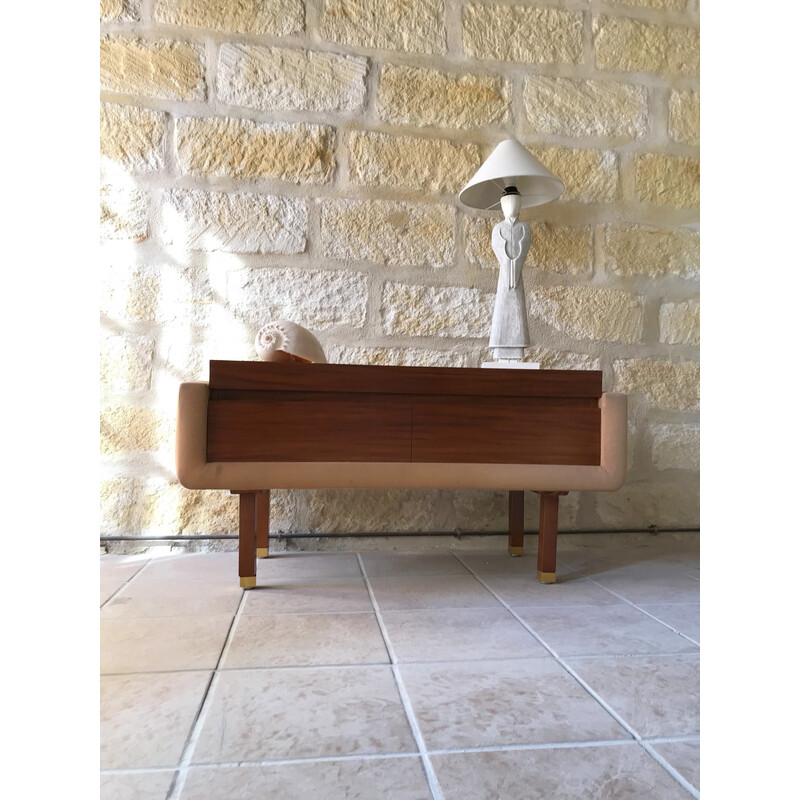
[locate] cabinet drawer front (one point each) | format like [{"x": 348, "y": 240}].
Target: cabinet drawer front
[
  {"x": 506, "y": 431},
  {"x": 287, "y": 426}
]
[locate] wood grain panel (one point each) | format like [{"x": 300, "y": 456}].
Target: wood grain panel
[
  {"x": 303, "y": 426},
  {"x": 259, "y": 375},
  {"x": 505, "y": 431}
]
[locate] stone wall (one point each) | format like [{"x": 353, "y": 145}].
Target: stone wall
[{"x": 302, "y": 159}]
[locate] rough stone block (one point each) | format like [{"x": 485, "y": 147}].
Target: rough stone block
[
  {"x": 554, "y": 359},
  {"x": 131, "y": 138},
  {"x": 590, "y": 176},
  {"x": 126, "y": 362},
  {"x": 121, "y": 506},
  {"x": 684, "y": 117},
  {"x": 586, "y": 312},
  {"x": 123, "y": 212},
  {"x": 651, "y": 251},
  {"x": 120, "y": 10},
  {"x": 241, "y": 148},
  {"x": 567, "y": 107},
  {"x": 431, "y": 166},
  {"x": 415, "y": 26},
  {"x": 661, "y": 5},
  {"x": 645, "y": 504},
  {"x": 416, "y": 96},
  {"x": 273, "y": 17},
  {"x": 668, "y": 180},
  {"x": 235, "y": 223},
  {"x": 627, "y": 45},
  {"x": 171, "y": 509},
  {"x": 451, "y": 311},
  {"x": 161, "y": 294},
  {"x": 125, "y": 429},
  {"x": 396, "y": 356},
  {"x": 676, "y": 446},
  {"x": 679, "y": 323},
  {"x": 315, "y": 299},
  {"x": 276, "y": 78},
  {"x": 166, "y": 69},
  {"x": 554, "y": 248},
  {"x": 388, "y": 232},
  {"x": 666, "y": 384},
  {"x": 521, "y": 33}
]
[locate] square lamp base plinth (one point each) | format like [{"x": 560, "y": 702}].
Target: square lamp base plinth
[{"x": 510, "y": 364}]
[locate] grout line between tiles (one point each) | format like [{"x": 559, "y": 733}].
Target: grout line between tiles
[
  {"x": 433, "y": 781},
  {"x": 659, "y": 759},
  {"x": 652, "y": 616},
  {"x": 500, "y": 748},
  {"x": 176, "y": 787},
  {"x": 283, "y": 762},
  {"x": 379, "y": 756},
  {"x": 135, "y": 770},
  {"x": 694, "y": 737},
  {"x": 123, "y": 585},
  {"x": 631, "y": 730}
]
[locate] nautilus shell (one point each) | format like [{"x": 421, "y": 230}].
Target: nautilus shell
[{"x": 281, "y": 340}]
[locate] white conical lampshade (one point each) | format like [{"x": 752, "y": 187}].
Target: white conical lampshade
[{"x": 510, "y": 164}]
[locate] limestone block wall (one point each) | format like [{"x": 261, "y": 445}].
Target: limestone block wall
[{"x": 302, "y": 158}]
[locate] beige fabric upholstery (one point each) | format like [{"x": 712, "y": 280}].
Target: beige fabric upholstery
[{"x": 195, "y": 473}]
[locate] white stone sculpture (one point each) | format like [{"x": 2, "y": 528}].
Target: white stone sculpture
[
  {"x": 513, "y": 179},
  {"x": 282, "y": 340},
  {"x": 511, "y": 240}
]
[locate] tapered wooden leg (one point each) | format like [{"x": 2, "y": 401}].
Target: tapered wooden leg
[
  {"x": 548, "y": 529},
  {"x": 516, "y": 523},
  {"x": 262, "y": 524},
  {"x": 247, "y": 540}
]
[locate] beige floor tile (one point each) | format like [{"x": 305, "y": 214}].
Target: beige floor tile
[
  {"x": 192, "y": 566},
  {"x": 162, "y": 643},
  {"x": 603, "y": 630},
  {"x": 288, "y": 566},
  {"x": 497, "y": 703},
  {"x": 146, "y": 719},
  {"x": 684, "y": 617},
  {"x": 655, "y": 695},
  {"x": 500, "y": 563},
  {"x": 136, "y": 785},
  {"x": 621, "y": 772},
  {"x": 174, "y": 598},
  {"x": 422, "y": 592},
  {"x": 652, "y": 587},
  {"x": 304, "y": 639},
  {"x": 107, "y": 589},
  {"x": 684, "y": 757},
  {"x": 387, "y": 564},
  {"x": 459, "y": 635},
  {"x": 610, "y": 562},
  {"x": 257, "y": 715},
  {"x": 521, "y": 591},
  {"x": 120, "y": 568},
  {"x": 363, "y": 779},
  {"x": 308, "y": 596}
]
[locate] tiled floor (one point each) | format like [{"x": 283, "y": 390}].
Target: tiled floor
[{"x": 416, "y": 675}]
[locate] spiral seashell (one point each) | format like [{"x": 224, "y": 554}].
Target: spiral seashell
[{"x": 282, "y": 340}]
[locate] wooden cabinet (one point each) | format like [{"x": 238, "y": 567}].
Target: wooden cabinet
[{"x": 335, "y": 412}]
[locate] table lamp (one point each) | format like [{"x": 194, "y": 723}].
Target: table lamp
[{"x": 512, "y": 179}]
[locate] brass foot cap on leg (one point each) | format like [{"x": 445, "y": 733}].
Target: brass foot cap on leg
[
  {"x": 545, "y": 577},
  {"x": 262, "y": 552},
  {"x": 516, "y": 551},
  {"x": 247, "y": 583}
]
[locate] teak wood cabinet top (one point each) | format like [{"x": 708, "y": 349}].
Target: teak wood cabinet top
[{"x": 285, "y": 412}]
